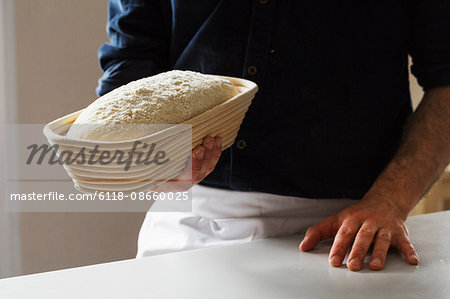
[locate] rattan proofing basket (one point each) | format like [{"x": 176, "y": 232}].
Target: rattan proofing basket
[{"x": 222, "y": 120}]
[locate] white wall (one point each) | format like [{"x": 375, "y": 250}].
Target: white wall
[
  {"x": 9, "y": 222},
  {"x": 416, "y": 90},
  {"x": 57, "y": 72},
  {"x": 57, "y": 42}
]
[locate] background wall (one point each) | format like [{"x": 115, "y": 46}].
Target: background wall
[
  {"x": 9, "y": 222},
  {"x": 57, "y": 72},
  {"x": 416, "y": 90}
]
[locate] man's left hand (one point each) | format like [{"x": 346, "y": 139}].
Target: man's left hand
[{"x": 364, "y": 223}]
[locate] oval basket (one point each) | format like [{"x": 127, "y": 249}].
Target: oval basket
[{"x": 222, "y": 120}]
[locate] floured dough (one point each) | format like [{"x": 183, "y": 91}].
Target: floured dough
[{"x": 167, "y": 98}]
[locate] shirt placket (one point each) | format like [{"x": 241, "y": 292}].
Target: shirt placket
[
  {"x": 258, "y": 46},
  {"x": 256, "y": 59}
]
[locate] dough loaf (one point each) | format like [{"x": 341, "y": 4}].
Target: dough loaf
[{"x": 167, "y": 98}]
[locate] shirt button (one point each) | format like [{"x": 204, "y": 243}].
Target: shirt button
[
  {"x": 252, "y": 70},
  {"x": 262, "y": 2},
  {"x": 241, "y": 144}
]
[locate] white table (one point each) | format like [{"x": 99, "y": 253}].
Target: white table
[{"x": 272, "y": 268}]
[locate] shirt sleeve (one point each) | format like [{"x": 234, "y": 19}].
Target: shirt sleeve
[
  {"x": 139, "y": 43},
  {"x": 430, "y": 42}
]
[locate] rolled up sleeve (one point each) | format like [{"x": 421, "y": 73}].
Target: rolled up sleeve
[
  {"x": 430, "y": 42},
  {"x": 139, "y": 43}
]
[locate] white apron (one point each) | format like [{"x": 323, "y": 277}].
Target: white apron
[{"x": 222, "y": 217}]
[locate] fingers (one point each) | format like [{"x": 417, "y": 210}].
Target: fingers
[
  {"x": 204, "y": 159},
  {"x": 380, "y": 249},
  {"x": 322, "y": 231},
  {"x": 342, "y": 241},
  {"x": 362, "y": 226},
  {"x": 361, "y": 246},
  {"x": 198, "y": 153},
  {"x": 406, "y": 248},
  {"x": 212, "y": 150},
  {"x": 215, "y": 154}
]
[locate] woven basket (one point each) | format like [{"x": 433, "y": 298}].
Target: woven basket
[{"x": 222, "y": 120}]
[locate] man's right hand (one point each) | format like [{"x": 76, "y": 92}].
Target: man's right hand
[{"x": 203, "y": 160}]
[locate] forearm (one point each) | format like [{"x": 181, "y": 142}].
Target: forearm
[{"x": 423, "y": 154}]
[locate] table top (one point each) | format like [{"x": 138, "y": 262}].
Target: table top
[{"x": 270, "y": 268}]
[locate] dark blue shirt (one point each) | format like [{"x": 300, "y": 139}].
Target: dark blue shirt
[{"x": 333, "y": 79}]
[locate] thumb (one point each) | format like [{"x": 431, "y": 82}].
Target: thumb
[{"x": 317, "y": 233}]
